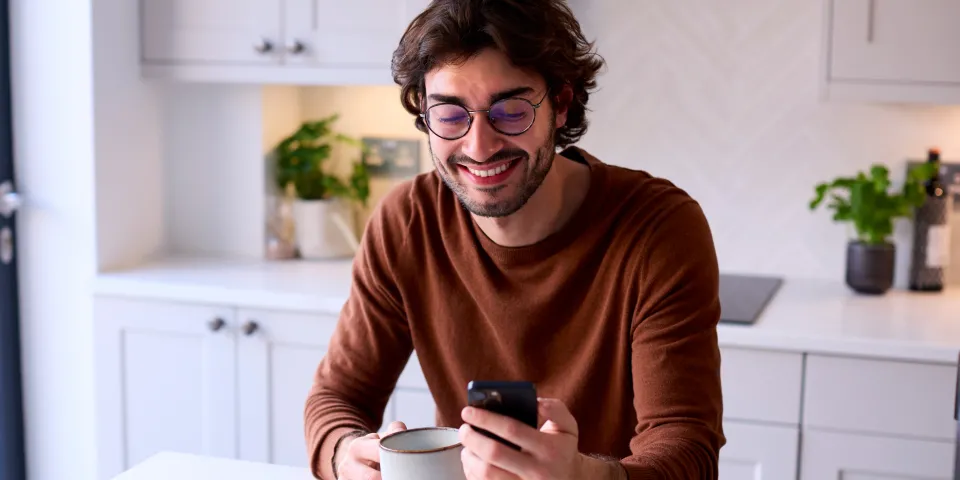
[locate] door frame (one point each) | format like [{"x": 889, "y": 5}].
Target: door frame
[{"x": 12, "y": 441}]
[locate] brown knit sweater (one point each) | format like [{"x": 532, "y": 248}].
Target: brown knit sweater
[{"x": 615, "y": 314}]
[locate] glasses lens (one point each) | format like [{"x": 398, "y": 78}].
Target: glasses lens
[
  {"x": 447, "y": 120},
  {"x": 511, "y": 116}
]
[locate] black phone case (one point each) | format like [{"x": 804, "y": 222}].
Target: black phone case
[{"x": 517, "y": 400}]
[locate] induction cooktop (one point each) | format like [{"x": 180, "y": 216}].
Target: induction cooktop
[{"x": 743, "y": 297}]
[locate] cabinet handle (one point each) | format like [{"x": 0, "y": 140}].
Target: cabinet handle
[
  {"x": 216, "y": 324},
  {"x": 263, "y": 46},
  {"x": 296, "y": 47},
  {"x": 250, "y": 327},
  {"x": 871, "y": 19}
]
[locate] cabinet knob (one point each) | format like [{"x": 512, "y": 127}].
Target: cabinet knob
[
  {"x": 250, "y": 327},
  {"x": 296, "y": 47},
  {"x": 216, "y": 324},
  {"x": 263, "y": 46}
]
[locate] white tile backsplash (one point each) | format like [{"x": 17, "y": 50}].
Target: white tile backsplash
[{"x": 722, "y": 98}]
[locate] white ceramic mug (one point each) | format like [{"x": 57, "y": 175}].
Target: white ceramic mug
[{"x": 421, "y": 454}]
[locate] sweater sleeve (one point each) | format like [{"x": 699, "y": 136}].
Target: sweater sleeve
[
  {"x": 675, "y": 355},
  {"x": 369, "y": 349}
]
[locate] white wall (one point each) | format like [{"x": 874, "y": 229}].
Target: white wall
[
  {"x": 214, "y": 175},
  {"x": 722, "y": 98},
  {"x": 130, "y": 209},
  {"x": 54, "y": 158}
]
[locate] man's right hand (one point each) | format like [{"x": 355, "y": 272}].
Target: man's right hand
[{"x": 359, "y": 458}]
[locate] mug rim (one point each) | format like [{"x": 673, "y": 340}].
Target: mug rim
[{"x": 432, "y": 450}]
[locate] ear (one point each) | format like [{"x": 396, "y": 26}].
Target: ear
[{"x": 562, "y": 102}]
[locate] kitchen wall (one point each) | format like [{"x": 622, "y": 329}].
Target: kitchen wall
[
  {"x": 365, "y": 111},
  {"x": 723, "y": 99}
]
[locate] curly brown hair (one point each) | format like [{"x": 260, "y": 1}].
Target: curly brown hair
[{"x": 541, "y": 35}]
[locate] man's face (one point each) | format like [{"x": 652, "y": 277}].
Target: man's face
[{"x": 492, "y": 173}]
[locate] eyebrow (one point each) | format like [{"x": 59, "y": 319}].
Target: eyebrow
[{"x": 513, "y": 92}]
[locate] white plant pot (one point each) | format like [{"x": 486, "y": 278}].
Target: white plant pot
[{"x": 324, "y": 229}]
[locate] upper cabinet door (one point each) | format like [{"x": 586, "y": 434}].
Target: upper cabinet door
[
  {"x": 912, "y": 41},
  {"x": 354, "y": 34},
  {"x": 211, "y": 31}
]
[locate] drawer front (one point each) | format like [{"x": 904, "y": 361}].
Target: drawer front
[
  {"x": 845, "y": 456},
  {"x": 759, "y": 452},
  {"x": 761, "y": 385},
  {"x": 880, "y": 396}
]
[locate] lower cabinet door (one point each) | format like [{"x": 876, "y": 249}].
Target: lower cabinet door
[
  {"x": 759, "y": 452},
  {"x": 277, "y": 358},
  {"x": 842, "y": 456},
  {"x": 166, "y": 381},
  {"x": 414, "y": 407}
]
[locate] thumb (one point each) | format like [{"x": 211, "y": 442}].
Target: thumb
[
  {"x": 395, "y": 427},
  {"x": 558, "y": 418}
]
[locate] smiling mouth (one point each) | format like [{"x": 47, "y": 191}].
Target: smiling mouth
[
  {"x": 492, "y": 172},
  {"x": 490, "y": 176}
]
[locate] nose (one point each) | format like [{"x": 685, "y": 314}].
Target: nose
[{"x": 482, "y": 141}]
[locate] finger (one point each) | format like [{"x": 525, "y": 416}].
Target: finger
[
  {"x": 474, "y": 468},
  {"x": 366, "y": 448},
  {"x": 356, "y": 470},
  {"x": 557, "y": 416},
  {"x": 395, "y": 426},
  {"x": 495, "y": 453},
  {"x": 521, "y": 434}
]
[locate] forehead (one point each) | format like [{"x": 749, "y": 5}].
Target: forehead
[{"x": 479, "y": 76}]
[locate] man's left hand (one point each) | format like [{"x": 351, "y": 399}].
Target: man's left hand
[{"x": 548, "y": 453}]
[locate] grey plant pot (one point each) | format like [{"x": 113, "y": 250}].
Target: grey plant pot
[{"x": 870, "y": 268}]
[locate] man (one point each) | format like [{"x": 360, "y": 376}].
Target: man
[{"x": 511, "y": 261}]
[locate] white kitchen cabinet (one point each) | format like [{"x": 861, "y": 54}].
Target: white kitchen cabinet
[
  {"x": 277, "y": 357},
  {"x": 265, "y": 41},
  {"x": 228, "y": 32},
  {"x": 761, "y": 385},
  {"x": 221, "y": 381},
  {"x": 359, "y": 33},
  {"x": 413, "y": 402},
  {"x": 842, "y": 456},
  {"x": 759, "y": 452},
  {"x": 165, "y": 381},
  {"x": 882, "y": 397},
  {"x": 415, "y": 407},
  {"x": 893, "y": 50}
]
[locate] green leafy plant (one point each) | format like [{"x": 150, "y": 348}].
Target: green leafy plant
[
  {"x": 302, "y": 158},
  {"x": 867, "y": 202}
]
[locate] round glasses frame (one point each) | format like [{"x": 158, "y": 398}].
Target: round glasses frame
[{"x": 470, "y": 116}]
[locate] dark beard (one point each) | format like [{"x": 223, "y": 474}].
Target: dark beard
[{"x": 531, "y": 178}]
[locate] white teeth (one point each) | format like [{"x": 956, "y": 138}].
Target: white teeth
[{"x": 491, "y": 172}]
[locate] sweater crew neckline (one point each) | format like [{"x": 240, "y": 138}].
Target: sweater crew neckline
[{"x": 537, "y": 252}]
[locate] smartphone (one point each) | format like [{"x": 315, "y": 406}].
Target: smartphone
[{"x": 517, "y": 400}]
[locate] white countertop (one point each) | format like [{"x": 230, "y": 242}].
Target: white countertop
[
  {"x": 308, "y": 286},
  {"x": 180, "y": 466},
  {"x": 805, "y": 315}
]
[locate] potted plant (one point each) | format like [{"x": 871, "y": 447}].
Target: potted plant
[
  {"x": 867, "y": 203},
  {"x": 322, "y": 205}
]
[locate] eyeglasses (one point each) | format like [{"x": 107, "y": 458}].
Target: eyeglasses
[{"x": 509, "y": 116}]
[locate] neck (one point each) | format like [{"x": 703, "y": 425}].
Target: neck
[{"x": 548, "y": 210}]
